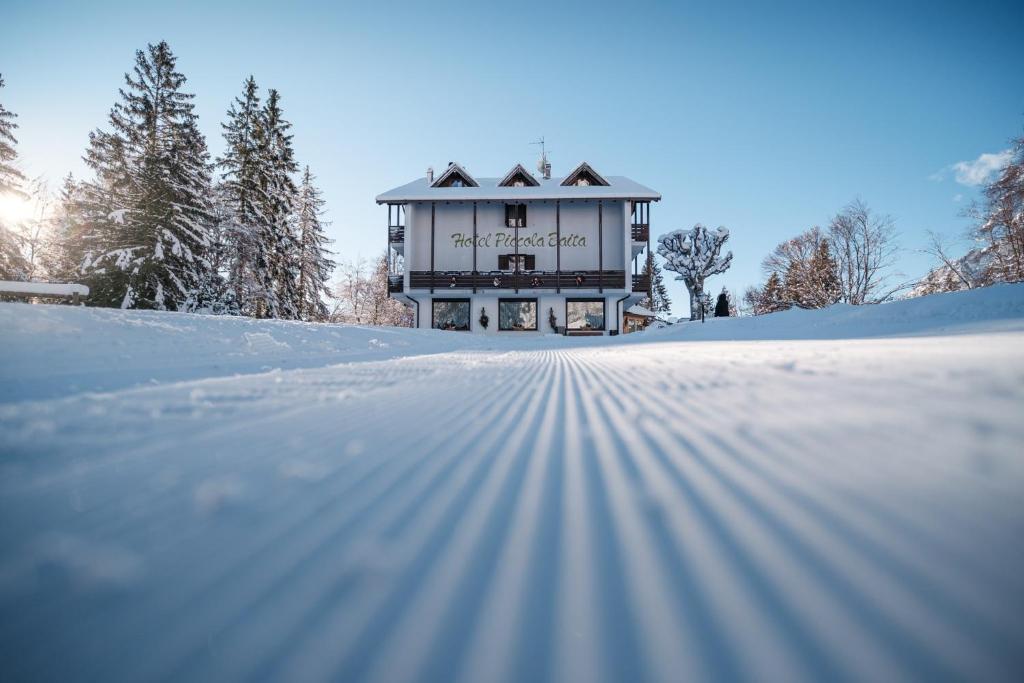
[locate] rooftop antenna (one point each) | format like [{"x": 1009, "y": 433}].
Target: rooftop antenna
[{"x": 543, "y": 165}]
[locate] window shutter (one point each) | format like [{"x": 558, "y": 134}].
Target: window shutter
[
  {"x": 503, "y": 262},
  {"x": 508, "y": 215},
  {"x": 522, "y": 215},
  {"x": 531, "y": 262}
]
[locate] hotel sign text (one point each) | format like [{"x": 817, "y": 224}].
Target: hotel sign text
[{"x": 508, "y": 240}]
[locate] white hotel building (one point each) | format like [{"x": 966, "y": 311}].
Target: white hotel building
[{"x": 518, "y": 251}]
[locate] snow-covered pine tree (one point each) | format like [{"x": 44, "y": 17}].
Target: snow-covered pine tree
[
  {"x": 244, "y": 226},
  {"x": 315, "y": 264},
  {"x": 661, "y": 303},
  {"x": 12, "y": 264},
  {"x": 279, "y": 199},
  {"x": 153, "y": 185},
  {"x": 695, "y": 256}
]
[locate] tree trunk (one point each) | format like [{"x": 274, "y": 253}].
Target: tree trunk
[{"x": 696, "y": 291}]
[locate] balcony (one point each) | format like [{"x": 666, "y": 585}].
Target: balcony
[
  {"x": 534, "y": 279},
  {"x": 396, "y": 284},
  {"x": 642, "y": 282},
  {"x": 641, "y": 222}
]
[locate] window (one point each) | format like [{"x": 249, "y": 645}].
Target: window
[
  {"x": 523, "y": 261},
  {"x": 515, "y": 215},
  {"x": 584, "y": 314},
  {"x": 518, "y": 315},
  {"x": 450, "y": 314}
]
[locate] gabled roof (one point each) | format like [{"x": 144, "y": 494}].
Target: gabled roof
[
  {"x": 453, "y": 171},
  {"x": 584, "y": 170},
  {"x": 518, "y": 172}
]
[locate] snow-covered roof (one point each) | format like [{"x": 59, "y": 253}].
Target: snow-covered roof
[
  {"x": 637, "y": 309},
  {"x": 419, "y": 190}
]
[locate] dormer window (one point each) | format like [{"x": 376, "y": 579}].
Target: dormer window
[
  {"x": 515, "y": 215},
  {"x": 518, "y": 177},
  {"x": 455, "y": 176},
  {"x": 584, "y": 176}
]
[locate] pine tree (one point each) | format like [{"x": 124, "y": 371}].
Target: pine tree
[
  {"x": 10, "y": 177},
  {"x": 63, "y": 249},
  {"x": 149, "y": 203},
  {"x": 824, "y": 284},
  {"x": 768, "y": 299},
  {"x": 661, "y": 303},
  {"x": 242, "y": 194},
  {"x": 12, "y": 264},
  {"x": 315, "y": 265},
  {"x": 279, "y": 197},
  {"x": 722, "y": 305}
]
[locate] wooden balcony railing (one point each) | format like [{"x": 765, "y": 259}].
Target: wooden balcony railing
[
  {"x": 535, "y": 279},
  {"x": 640, "y": 232},
  {"x": 641, "y": 282},
  {"x": 396, "y": 233},
  {"x": 396, "y": 284}
]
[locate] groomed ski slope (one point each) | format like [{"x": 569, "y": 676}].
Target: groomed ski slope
[{"x": 764, "y": 499}]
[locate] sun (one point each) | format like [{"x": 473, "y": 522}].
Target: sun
[{"x": 14, "y": 209}]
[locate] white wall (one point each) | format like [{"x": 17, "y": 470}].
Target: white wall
[{"x": 453, "y": 231}]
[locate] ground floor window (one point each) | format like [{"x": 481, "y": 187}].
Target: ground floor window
[
  {"x": 584, "y": 314},
  {"x": 517, "y": 314},
  {"x": 450, "y": 314}
]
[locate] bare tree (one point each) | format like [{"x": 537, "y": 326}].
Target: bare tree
[
  {"x": 864, "y": 247},
  {"x": 361, "y": 295},
  {"x": 957, "y": 271}
]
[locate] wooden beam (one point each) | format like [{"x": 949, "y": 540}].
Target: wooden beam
[
  {"x": 515, "y": 269},
  {"x": 558, "y": 247},
  {"x": 433, "y": 207},
  {"x": 600, "y": 246},
  {"x": 474, "y": 248},
  {"x": 650, "y": 284}
]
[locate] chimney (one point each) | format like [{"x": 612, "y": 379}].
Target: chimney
[
  {"x": 430, "y": 174},
  {"x": 547, "y": 170}
]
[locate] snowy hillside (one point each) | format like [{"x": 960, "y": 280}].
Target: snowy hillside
[{"x": 197, "y": 498}]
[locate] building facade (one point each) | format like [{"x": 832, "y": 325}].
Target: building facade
[{"x": 519, "y": 253}]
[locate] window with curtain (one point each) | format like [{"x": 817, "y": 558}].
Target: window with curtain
[
  {"x": 518, "y": 315},
  {"x": 451, "y": 314},
  {"x": 584, "y": 314}
]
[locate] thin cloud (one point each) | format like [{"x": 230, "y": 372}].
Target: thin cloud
[{"x": 978, "y": 171}]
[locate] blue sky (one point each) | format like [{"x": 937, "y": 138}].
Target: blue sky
[{"x": 765, "y": 119}]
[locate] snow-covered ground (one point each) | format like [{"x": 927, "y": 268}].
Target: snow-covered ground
[{"x": 210, "y": 499}]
